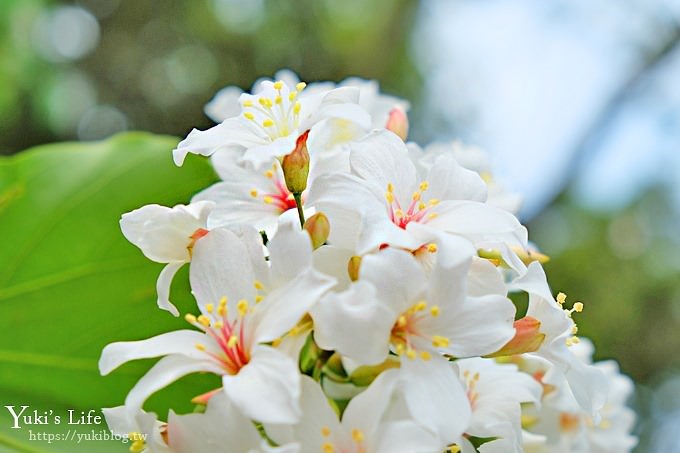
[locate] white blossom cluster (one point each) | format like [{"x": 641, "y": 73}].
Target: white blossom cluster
[{"x": 352, "y": 294}]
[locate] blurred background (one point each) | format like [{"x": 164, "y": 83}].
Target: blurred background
[{"x": 577, "y": 102}]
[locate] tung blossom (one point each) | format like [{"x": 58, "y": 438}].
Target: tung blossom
[
  {"x": 394, "y": 307},
  {"x": 167, "y": 235},
  {"x": 385, "y": 201},
  {"x": 244, "y": 307},
  {"x": 272, "y": 120}
]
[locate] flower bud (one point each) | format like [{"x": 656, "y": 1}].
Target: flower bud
[
  {"x": 528, "y": 338},
  {"x": 318, "y": 228},
  {"x": 296, "y": 166},
  {"x": 398, "y": 123}
]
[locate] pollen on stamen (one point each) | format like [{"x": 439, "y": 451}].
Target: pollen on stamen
[
  {"x": 242, "y": 307},
  {"x": 269, "y": 174},
  {"x": 561, "y": 298},
  {"x": 398, "y": 213},
  {"x": 389, "y": 196},
  {"x": 267, "y": 123},
  {"x": 248, "y": 103},
  {"x": 258, "y": 285},
  {"x": 200, "y": 346},
  {"x": 439, "y": 341},
  {"x": 292, "y": 95},
  {"x": 278, "y": 85},
  {"x": 425, "y": 355},
  {"x": 278, "y": 99},
  {"x": 434, "y": 310},
  {"x": 267, "y": 199},
  {"x": 325, "y": 431},
  {"x": 433, "y": 202},
  {"x": 253, "y": 193},
  {"x": 357, "y": 435},
  {"x": 297, "y": 107},
  {"x": 432, "y": 215},
  {"x": 233, "y": 341},
  {"x": 420, "y": 306},
  {"x": 415, "y": 196},
  {"x": 401, "y": 321},
  {"x": 259, "y": 299},
  {"x": 432, "y": 247},
  {"x": 204, "y": 320},
  {"x": 411, "y": 354},
  {"x": 327, "y": 447},
  {"x": 209, "y": 308},
  {"x": 300, "y": 86},
  {"x": 424, "y": 186},
  {"x": 191, "y": 319}
]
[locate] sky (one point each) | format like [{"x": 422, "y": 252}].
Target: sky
[{"x": 538, "y": 84}]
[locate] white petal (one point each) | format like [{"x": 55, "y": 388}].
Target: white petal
[
  {"x": 233, "y": 132},
  {"x": 317, "y": 414},
  {"x": 222, "y": 424},
  {"x": 398, "y": 278},
  {"x": 163, "y": 234},
  {"x": 163, "y": 287},
  {"x": 333, "y": 261},
  {"x": 435, "y": 397},
  {"x": 367, "y": 409},
  {"x": 166, "y": 371},
  {"x": 221, "y": 267},
  {"x": 381, "y": 158},
  {"x": 284, "y": 307},
  {"x": 450, "y": 181},
  {"x": 407, "y": 437},
  {"x": 290, "y": 252},
  {"x": 177, "y": 342},
  {"x": 354, "y": 323},
  {"x": 267, "y": 389},
  {"x": 479, "y": 222},
  {"x": 264, "y": 154},
  {"x": 224, "y": 104}
]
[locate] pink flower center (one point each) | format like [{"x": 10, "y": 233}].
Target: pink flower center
[{"x": 417, "y": 211}]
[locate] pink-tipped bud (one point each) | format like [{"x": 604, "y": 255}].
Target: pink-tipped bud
[
  {"x": 398, "y": 123},
  {"x": 318, "y": 228},
  {"x": 528, "y": 338},
  {"x": 296, "y": 165},
  {"x": 353, "y": 267}
]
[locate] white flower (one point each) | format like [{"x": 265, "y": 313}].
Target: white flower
[
  {"x": 142, "y": 429},
  {"x": 167, "y": 235},
  {"x": 383, "y": 202},
  {"x": 587, "y": 383},
  {"x": 221, "y": 426},
  {"x": 244, "y": 306},
  {"x": 495, "y": 392},
  {"x": 395, "y": 307},
  {"x": 272, "y": 119},
  {"x": 225, "y": 104},
  {"x": 472, "y": 158},
  {"x": 369, "y": 424},
  {"x": 567, "y": 427}
]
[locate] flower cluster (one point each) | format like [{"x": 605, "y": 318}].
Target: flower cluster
[{"x": 352, "y": 294}]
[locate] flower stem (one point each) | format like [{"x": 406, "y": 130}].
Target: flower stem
[{"x": 298, "y": 202}]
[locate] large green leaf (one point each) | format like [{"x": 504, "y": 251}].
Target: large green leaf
[{"x": 70, "y": 283}]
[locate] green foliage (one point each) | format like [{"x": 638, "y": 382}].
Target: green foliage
[{"x": 69, "y": 281}]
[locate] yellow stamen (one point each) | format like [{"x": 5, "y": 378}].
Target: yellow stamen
[
  {"x": 253, "y": 193},
  {"x": 191, "y": 319},
  {"x": 433, "y": 202},
  {"x": 278, "y": 100},
  {"x": 203, "y": 319},
  {"x": 297, "y": 107},
  {"x": 401, "y": 322},
  {"x": 267, "y": 199},
  {"x": 425, "y": 355},
  {"x": 300, "y": 86},
  {"x": 209, "y": 308},
  {"x": 200, "y": 347},
  {"x": 432, "y": 247},
  {"x": 561, "y": 298},
  {"x": 421, "y": 205},
  {"x": 259, "y": 299},
  {"x": 269, "y": 174},
  {"x": 292, "y": 95},
  {"x": 424, "y": 186},
  {"x": 415, "y": 196},
  {"x": 327, "y": 447},
  {"x": 398, "y": 213},
  {"x": 233, "y": 340},
  {"x": 267, "y": 123},
  {"x": 357, "y": 435},
  {"x": 420, "y": 306},
  {"x": 411, "y": 354},
  {"x": 248, "y": 103},
  {"x": 578, "y": 307},
  {"x": 439, "y": 341},
  {"x": 432, "y": 215},
  {"x": 389, "y": 196},
  {"x": 325, "y": 431},
  {"x": 242, "y": 307},
  {"x": 249, "y": 115},
  {"x": 258, "y": 285},
  {"x": 278, "y": 85},
  {"x": 434, "y": 310}
]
